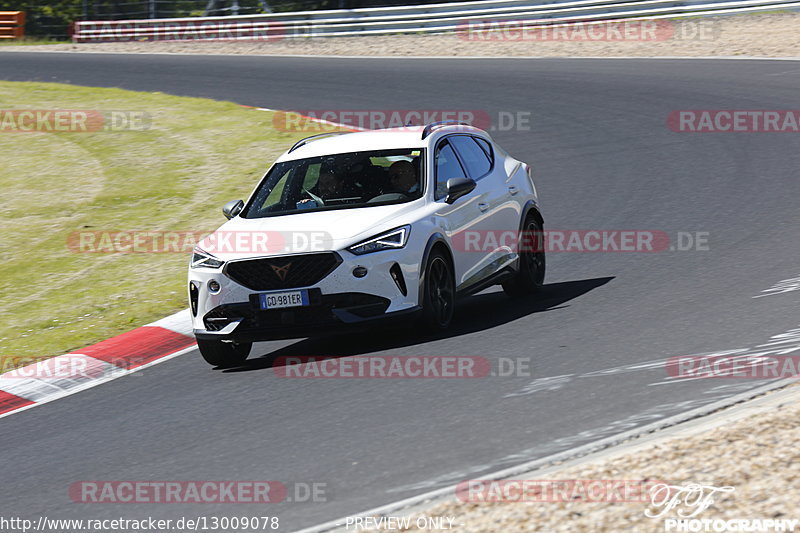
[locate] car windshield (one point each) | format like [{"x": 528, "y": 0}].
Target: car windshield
[{"x": 339, "y": 181}]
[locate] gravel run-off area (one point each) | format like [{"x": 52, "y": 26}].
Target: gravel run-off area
[
  {"x": 754, "y": 461},
  {"x": 761, "y": 35}
]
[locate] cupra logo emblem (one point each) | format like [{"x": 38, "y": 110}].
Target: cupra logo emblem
[{"x": 281, "y": 271}]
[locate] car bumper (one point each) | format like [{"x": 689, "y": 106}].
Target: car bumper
[
  {"x": 286, "y": 324},
  {"x": 339, "y": 299}
]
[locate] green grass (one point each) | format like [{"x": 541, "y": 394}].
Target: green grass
[{"x": 174, "y": 176}]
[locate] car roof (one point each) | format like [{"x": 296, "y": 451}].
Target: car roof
[{"x": 368, "y": 140}]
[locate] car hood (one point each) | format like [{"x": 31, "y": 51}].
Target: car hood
[{"x": 303, "y": 232}]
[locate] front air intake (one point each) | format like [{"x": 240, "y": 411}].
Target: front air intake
[
  {"x": 397, "y": 276},
  {"x": 194, "y": 294}
]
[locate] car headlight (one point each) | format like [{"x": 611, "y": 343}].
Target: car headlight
[
  {"x": 390, "y": 240},
  {"x": 201, "y": 259}
]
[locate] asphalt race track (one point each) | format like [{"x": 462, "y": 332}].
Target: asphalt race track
[{"x": 604, "y": 159}]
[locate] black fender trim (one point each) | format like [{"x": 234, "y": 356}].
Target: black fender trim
[
  {"x": 433, "y": 240},
  {"x": 530, "y": 208}
]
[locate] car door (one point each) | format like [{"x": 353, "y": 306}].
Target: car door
[
  {"x": 459, "y": 220},
  {"x": 512, "y": 175},
  {"x": 498, "y": 222}
]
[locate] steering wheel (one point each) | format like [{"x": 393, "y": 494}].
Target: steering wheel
[{"x": 312, "y": 196}]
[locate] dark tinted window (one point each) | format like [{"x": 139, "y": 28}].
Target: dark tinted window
[
  {"x": 486, "y": 147},
  {"x": 473, "y": 156},
  {"x": 447, "y": 166}
]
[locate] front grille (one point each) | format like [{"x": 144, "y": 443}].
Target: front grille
[{"x": 287, "y": 272}]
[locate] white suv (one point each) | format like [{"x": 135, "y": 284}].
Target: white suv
[{"x": 352, "y": 227}]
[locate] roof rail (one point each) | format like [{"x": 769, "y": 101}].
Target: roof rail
[
  {"x": 302, "y": 142},
  {"x": 429, "y": 127}
]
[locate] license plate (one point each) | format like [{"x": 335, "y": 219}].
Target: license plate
[{"x": 277, "y": 300}]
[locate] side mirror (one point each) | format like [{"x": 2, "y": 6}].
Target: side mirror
[
  {"x": 458, "y": 187},
  {"x": 232, "y": 208}
]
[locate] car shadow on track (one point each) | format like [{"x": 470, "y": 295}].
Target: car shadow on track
[{"x": 474, "y": 314}]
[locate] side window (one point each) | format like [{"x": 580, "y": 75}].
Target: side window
[
  {"x": 476, "y": 160},
  {"x": 447, "y": 166},
  {"x": 483, "y": 143}
]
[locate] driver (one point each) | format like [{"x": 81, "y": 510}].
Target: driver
[
  {"x": 403, "y": 177},
  {"x": 330, "y": 185}
]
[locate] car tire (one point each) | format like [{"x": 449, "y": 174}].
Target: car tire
[
  {"x": 439, "y": 294},
  {"x": 223, "y": 354},
  {"x": 529, "y": 278}
]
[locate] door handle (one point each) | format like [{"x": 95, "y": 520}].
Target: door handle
[
  {"x": 512, "y": 189},
  {"x": 483, "y": 206}
]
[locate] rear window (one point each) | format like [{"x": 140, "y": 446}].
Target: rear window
[
  {"x": 473, "y": 156},
  {"x": 483, "y": 143}
]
